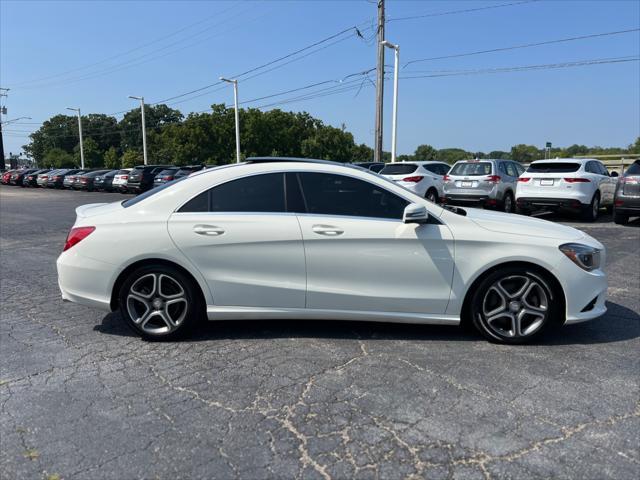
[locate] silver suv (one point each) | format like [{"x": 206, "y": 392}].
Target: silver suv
[{"x": 485, "y": 183}]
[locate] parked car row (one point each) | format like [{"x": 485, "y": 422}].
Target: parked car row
[
  {"x": 126, "y": 180},
  {"x": 583, "y": 186}
]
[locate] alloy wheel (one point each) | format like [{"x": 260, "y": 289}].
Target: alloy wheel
[
  {"x": 516, "y": 306},
  {"x": 157, "y": 303}
]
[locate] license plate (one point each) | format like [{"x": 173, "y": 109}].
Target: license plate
[
  {"x": 546, "y": 182},
  {"x": 467, "y": 184}
]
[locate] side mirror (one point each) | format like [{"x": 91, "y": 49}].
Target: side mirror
[
  {"x": 415, "y": 213},
  {"x": 613, "y": 174}
]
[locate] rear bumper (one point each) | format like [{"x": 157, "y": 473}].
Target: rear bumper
[
  {"x": 555, "y": 203},
  {"x": 630, "y": 205},
  {"x": 84, "y": 280},
  {"x": 465, "y": 199}
]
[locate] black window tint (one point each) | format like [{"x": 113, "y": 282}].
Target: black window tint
[
  {"x": 432, "y": 168},
  {"x": 634, "y": 169},
  {"x": 295, "y": 201},
  {"x": 199, "y": 203},
  {"x": 340, "y": 195},
  {"x": 520, "y": 168},
  {"x": 603, "y": 169},
  {"x": 511, "y": 170},
  {"x": 258, "y": 193},
  {"x": 503, "y": 168}
]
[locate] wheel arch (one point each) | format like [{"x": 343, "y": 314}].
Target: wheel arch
[
  {"x": 113, "y": 303},
  {"x": 465, "y": 317}
]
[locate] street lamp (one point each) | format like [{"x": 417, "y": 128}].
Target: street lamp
[
  {"x": 235, "y": 98},
  {"x": 144, "y": 130},
  {"x": 394, "y": 132},
  {"x": 15, "y": 120},
  {"x": 80, "y": 134}
]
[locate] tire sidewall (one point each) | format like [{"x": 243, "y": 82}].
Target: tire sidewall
[
  {"x": 552, "y": 319},
  {"x": 195, "y": 306}
]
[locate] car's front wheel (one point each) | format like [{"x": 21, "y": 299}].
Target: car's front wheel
[
  {"x": 159, "y": 302},
  {"x": 507, "y": 203},
  {"x": 514, "y": 305}
]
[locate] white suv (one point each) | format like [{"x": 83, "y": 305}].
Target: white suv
[
  {"x": 422, "y": 178},
  {"x": 578, "y": 184}
]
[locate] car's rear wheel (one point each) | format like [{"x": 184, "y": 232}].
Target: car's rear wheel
[
  {"x": 507, "y": 203},
  {"x": 591, "y": 211},
  {"x": 620, "y": 218},
  {"x": 514, "y": 305},
  {"x": 432, "y": 195},
  {"x": 159, "y": 302}
]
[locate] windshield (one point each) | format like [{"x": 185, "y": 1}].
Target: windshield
[
  {"x": 399, "y": 169},
  {"x": 471, "y": 169},
  {"x": 553, "y": 167},
  {"x": 634, "y": 169},
  {"x": 150, "y": 193}
]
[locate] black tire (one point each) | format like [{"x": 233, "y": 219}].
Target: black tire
[
  {"x": 523, "y": 211},
  {"x": 508, "y": 205},
  {"x": 432, "y": 195},
  {"x": 509, "y": 320},
  {"x": 609, "y": 209},
  {"x": 591, "y": 211},
  {"x": 620, "y": 218},
  {"x": 178, "y": 297}
]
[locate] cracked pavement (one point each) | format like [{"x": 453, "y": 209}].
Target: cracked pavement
[{"x": 82, "y": 397}]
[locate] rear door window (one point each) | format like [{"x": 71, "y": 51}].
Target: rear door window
[
  {"x": 399, "y": 169},
  {"x": 511, "y": 170},
  {"x": 471, "y": 169}
]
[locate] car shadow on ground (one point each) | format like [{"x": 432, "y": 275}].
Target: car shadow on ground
[
  {"x": 567, "y": 217},
  {"x": 619, "y": 324}
]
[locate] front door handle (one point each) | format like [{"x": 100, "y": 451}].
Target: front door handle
[
  {"x": 209, "y": 230},
  {"x": 328, "y": 230}
]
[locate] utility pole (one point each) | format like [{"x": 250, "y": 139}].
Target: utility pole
[
  {"x": 3, "y": 93},
  {"x": 80, "y": 135},
  {"x": 235, "y": 98},
  {"x": 144, "y": 128},
  {"x": 394, "y": 131},
  {"x": 377, "y": 148}
]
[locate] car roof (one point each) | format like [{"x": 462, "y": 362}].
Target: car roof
[
  {"x": 567, "y": 160},
  {"x": 416, "y": 162}
]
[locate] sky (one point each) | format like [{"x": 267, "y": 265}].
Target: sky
[{"x": 93, "y": 54}]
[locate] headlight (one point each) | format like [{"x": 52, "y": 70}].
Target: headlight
[{"x": 587, "y": 258}]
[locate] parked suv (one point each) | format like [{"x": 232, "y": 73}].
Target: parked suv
[
  {"x": 579, "y": 184},
  {"x": 164, "y": 176},
  {"x": 486, "y": 183},
  {"x": 422, "y": 178},
  {"x": 627, "y": 197},
  {"x": 188, "y": 170},
  {"x": 141, "y": 177},
  {"x": 120, "y": 180}
]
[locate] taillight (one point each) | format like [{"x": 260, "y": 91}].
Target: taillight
[
  {"x": 493, "y": 178},
  {"x": 577, "y": 180},
  {"x": 125, "y": 177},
  {"x": 619, "y": 203},
  {"x": 524, "y": 179},
  {"x": 167, "y": 178},
  {"x": 414, "y": 179},
  {"x": 76, "y": 235},
  {"x": 446, "y": 178}
]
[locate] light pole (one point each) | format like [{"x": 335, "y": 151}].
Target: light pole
[
  {"x": 235, "y": 98},
  {"x": 396, "y": 65},
  {"x": 144, "y": 129},
  {"x": 80, "y": 134}
]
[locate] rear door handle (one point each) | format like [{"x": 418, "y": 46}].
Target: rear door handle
[
  {"x": 209, "y": 230},
  {"x": 328, "y": 230}
]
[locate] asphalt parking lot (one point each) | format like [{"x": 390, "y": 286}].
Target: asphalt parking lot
[{"x": 81, "y": 397}]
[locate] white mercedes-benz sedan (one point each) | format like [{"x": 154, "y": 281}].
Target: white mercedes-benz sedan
[{"x": 276, "y": 238}]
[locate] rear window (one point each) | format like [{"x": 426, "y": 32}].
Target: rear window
[
  {"x": 634, "y": 169},
  {"x": 553, "y": 167},
  {"x": 399, "y": 169},
  {"x": 471, "y": 169},
  {"x": 170, "y": 171},
  {"x": 150, "y": 193}
]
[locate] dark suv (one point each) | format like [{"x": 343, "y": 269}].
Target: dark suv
[
  {"x": 141, "y": 177},
  {"x": 626, "y": 202}
]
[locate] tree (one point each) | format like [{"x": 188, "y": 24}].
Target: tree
[
  {"x": 131, "y": 158},
  {"x": 635, "y": 147},
  {"x": 425, "y": 152},
  {"x": 112, "y": 159},
  {"x": 499, "y": 154},
  {"x": 93, "y": 157},
  {"x": 156, "y": 118},
  {"x": 59, "y": 132},
  {"x": 58, "y": 158},
  {"x": 452, "y": 155},
  {"x": 329, "y": 143},
  {"x": 361, "y": 153},
  {"x": 525, "y": 153}
]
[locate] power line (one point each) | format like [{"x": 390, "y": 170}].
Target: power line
[
  {"x": 466, "y": 10},
  {"x": 526, "y": 45},
  {"x": 127, "y": 52}
]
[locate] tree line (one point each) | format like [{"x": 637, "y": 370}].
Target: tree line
[{"x": 209, "y": 138}]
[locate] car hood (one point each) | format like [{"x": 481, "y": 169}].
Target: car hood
[
  {"x": 93, "y": 209},
  {"x": 510, "y": 223}
]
